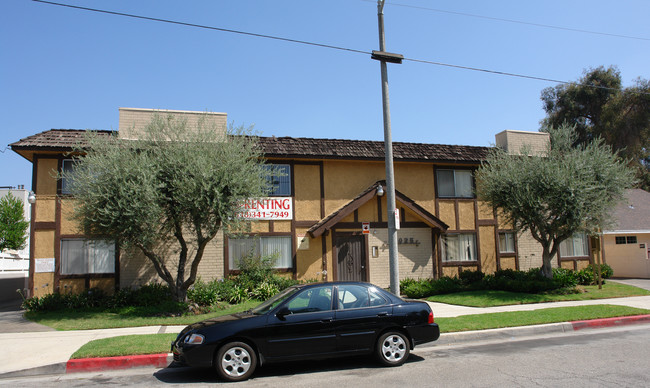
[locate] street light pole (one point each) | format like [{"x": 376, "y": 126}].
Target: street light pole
[{"x": 393, "y": 216}]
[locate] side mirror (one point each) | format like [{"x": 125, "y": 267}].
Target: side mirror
[{"x": 284, "y": 311}]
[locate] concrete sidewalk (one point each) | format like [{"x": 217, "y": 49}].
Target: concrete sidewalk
[{"x": 43, "y": 351}]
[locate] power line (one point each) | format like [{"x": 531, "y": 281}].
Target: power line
[
  {"x": 496, "y": 72},
  {"x": 516, "y": 21}
]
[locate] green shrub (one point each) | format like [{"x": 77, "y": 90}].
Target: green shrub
[
  {"x": 565, "y": 278},
  {"x": 417, "y": 289},
  {"x": 445, "y": 285},
  {"x": 606, "y": 271},
  {"x": 471, "y": 279}
]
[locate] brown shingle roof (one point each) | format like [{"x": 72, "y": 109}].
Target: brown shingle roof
[
  {"x": 54, "y": 139},
  {"x": 366, "y": 149},
  {"x": 290, "y": 147}
]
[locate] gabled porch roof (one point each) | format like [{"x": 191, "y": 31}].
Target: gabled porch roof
[{"x": 334, "y": 218}]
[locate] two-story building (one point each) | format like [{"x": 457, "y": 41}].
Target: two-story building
[{"x": 325, "y": 220}]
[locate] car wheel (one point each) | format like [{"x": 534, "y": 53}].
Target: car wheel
[
  {"x": 235, "y": 361},
  {"x": 392, "y": 348}
]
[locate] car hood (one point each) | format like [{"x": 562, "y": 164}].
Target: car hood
[{"x": 220, "y": 320}]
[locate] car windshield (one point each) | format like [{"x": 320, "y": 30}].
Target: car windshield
[{"x": 274, "y": 301}]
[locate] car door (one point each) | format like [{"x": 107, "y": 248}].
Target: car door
[
  {"x": 360, "y": 315},
  {"x": 307, "y": 328}
]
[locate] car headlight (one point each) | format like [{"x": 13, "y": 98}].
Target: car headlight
[{"x": 194, "y": 339}]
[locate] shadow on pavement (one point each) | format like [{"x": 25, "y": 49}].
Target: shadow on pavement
[
  {"x": 12, "y": 320},
  {"x": 176, "y": 374}
]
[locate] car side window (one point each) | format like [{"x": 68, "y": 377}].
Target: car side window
[
  {"x": 375, "y": 297},
  {"x": 354, "y": 296},
  {"x": 311, "y": 300}
]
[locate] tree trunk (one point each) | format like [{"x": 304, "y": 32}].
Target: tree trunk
[{"x": 547, "y": 269}]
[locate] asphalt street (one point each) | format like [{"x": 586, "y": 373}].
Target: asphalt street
[{"x": 595, "y": 358}]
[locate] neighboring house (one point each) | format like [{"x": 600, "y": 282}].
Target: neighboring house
[
  {"x": 626, "y": 247},
  {"x": 328, "y": 220},
  {"x": 14, "y": 264}
]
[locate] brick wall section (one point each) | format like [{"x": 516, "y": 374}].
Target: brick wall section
[
  {"x": 415, "y": 261},
  {"x": 512, "y": 141},
  {"x": 136, "y": 270},
  {"x": 530, "y": 252},
  {"x": 134, "y": 120}
]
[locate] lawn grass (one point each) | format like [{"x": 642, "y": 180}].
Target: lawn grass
[
  {"x": 159, "y": 343},
  {"x": 126, "y": 345},
  {"x": 491, "y": 298},
  {"x": 87, "y": 320},
  {"x": 534, "y": 317}
]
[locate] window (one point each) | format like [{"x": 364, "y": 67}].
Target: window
[
  {"x": 459, "y": 247},
  {"x": 352, "y": 296},
  {"x": 575, "y": 245},
  {"x": 455, "y": 183},
  {"x": 87, "y": 257},
  {"x": 506, "y": 242},
  {"x": 279, "y": 178},
  {"x": 626, "y": 240},
  {"x": 312, "y": 300},
  {"x": 279, "y": 247},
  {"x": 67, "y": 168}
]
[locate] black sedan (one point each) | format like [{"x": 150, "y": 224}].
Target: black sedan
[{"x": 309, "y": 321}]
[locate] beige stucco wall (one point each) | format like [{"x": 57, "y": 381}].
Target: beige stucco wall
[
  {"x": 46, "y": 176},
  {"x": 45, "y": 208},
  {"x": 488, "y": 252},
  {"x": 628, "y": 260},
  {"x": 466, "y": 215},
  {"x": 309, "y": 257},
  {"x": 307, "y": 192}
]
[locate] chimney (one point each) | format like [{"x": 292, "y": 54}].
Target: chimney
[
  {"x": 512, "y": 141},
  {"x": 134, "y": 120}
]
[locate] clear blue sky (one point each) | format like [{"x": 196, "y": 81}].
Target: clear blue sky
[{"x": 68, "y": 68}]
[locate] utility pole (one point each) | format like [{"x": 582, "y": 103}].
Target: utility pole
[{"x": 393, "y": 215}]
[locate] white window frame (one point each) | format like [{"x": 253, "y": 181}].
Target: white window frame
[
  {"x": 458, "y": 191},
  {"x": 453, "y": 252},
  {"x": 506, "y": 240},
  {"x": 91, "y": 257},
  {"x": 239, "y": 247},
  {"x": 575, "y": 246}
]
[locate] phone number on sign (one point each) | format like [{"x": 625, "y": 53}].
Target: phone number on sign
[{"x": 267, "y": 215}]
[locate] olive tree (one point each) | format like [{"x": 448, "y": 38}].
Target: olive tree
[
  {"x": 177, "y": 183},
  {"x": 13, "y": 226},
  {"x": 567, "y": 190}
]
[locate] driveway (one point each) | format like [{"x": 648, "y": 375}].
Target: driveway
[
  {"x": 641, "y": 283},
  {"x": 12, "y": 320}
]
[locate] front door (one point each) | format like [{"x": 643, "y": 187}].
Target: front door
[{"x": 351, "y": 258}]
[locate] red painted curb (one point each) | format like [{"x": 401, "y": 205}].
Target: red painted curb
[
  {"x": 607, "y": 322},
  {"x": 123, "y": 362}
]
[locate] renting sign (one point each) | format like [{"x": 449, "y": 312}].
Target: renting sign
[{"x": 269, "y": 208}]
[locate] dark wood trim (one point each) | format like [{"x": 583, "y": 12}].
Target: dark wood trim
[
  {"x": 366, "y": 264},
  {"x": 57, "y": 239},
  {"x": 271, "y": 225},
  {"x": 356, "y": 215},
  {"x": 486, "y": 223},
  {"x": 321, "y": 172},
  {"x": 381, "y": 225},
  {"x": 323, "y": 244},
  {"x": 456, "y": 213},
  {"x": 304, "y": 224},
  {"x": 472, "y": 263},
  {"x": 32, "y": 228},
  {"x": 335, "y": 264},
  {"x": 44, "y": 225},
  {"x": 89, "y": 276},
  {"x": 478, "y": 235},
  {"x": 434, "y": 258}
]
